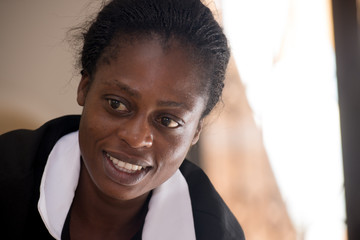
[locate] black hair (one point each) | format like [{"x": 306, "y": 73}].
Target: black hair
[{"x": 188, "y": 21}]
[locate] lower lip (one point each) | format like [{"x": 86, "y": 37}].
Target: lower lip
[{"x": 121, "y": 177}]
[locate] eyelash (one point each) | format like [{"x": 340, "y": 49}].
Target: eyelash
[
  {"x": 172, "y": 121},
  {"x": 114, "y": 104}
]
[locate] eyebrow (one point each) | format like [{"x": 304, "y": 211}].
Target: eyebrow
[
  {"x": 172, "y": 104},
  {"x": 125, "y": 88}
]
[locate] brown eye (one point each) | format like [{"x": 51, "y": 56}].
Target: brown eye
[
  {"x": 168, "y": 122},
  {"x": 117, "y": 105}
]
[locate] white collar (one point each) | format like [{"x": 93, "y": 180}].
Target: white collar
[{"x": 169, "y": 215}]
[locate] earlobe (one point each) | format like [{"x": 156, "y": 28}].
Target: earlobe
[
  {"x": 197, "y": 133},
  {"x": 83, "y": 88}
]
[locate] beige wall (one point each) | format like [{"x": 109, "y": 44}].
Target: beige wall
[{"x": 38, "y": 79}]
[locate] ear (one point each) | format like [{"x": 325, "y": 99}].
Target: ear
[
  {"x": 83, "y": 88},
  {"x": 197, "y": 133}
]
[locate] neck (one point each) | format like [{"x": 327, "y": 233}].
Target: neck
[{"x": 100, "y": 215}]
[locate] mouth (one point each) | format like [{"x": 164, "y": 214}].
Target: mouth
[
  {"x": 124, "y": 166},
  {"x": 123, "y": 172}
]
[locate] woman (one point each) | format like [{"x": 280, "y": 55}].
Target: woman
[{"x": 152, "y": 70}]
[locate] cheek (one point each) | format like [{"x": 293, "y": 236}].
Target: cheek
[
  {"x": 173, "y": 151},
  {"x": 87, "y": 132},
  {"x": 93, "y": 128},
  {"x": 93, "y": 124}
]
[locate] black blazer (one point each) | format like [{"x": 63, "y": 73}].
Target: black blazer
[{"x": 23, "y": 155}]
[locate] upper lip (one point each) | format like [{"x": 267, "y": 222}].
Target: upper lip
[{"x": 129, "y": 159}]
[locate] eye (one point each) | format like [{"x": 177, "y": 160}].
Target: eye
[
  {"x": 168, "y": 122},
  {"x": 117, "y": 105}
]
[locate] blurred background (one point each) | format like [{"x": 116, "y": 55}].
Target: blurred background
[{"x": 272, "y": 149}]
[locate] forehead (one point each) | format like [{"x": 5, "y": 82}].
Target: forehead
[
  {"x": 139, "y": 43},
  {"x": 147, "y": 63}
]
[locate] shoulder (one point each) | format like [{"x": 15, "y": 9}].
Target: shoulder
[
  {"x": 56, "y": 127},
  {"x": 23, "y": 155},
  {"x": 21, "y": 150},
  {"x": 212, "y": 218}
]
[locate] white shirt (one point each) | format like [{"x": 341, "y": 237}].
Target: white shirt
[{"x": 169, "y": 215}]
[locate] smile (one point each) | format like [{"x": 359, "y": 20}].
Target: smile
[
  {"x": 124, "y": 166},
  {"x": 122, "y": 171}
]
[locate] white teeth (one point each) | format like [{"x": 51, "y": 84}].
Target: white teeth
[
  {"x": 121, "y": 164},
  {"x": 135, "y": 167},
  {"x": 128, "y": 166},
  {"x": 125, "y": 165}
]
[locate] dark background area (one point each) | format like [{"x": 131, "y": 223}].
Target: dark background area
[{"x": 346, "y": 30}]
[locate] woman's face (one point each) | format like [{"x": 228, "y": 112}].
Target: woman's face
[{"x": 141, "y": 115}]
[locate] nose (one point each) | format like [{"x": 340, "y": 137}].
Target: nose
[{"x": 136, "y": 132}]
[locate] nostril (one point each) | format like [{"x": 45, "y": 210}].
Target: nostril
[{"x": 139, "y": 140}]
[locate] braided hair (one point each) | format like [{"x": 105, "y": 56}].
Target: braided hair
[{"x": 190, "y": 22}]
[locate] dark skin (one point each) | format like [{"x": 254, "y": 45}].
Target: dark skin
[
  {"x": 142, "y": 110},
  {"x": 128, "y": 215}
]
